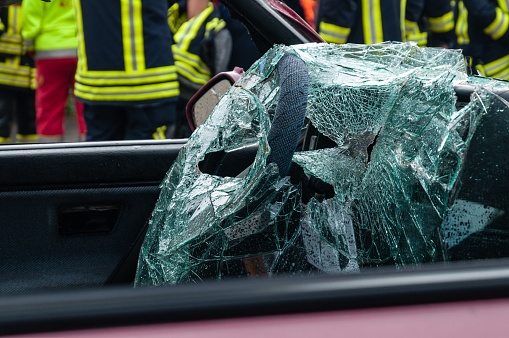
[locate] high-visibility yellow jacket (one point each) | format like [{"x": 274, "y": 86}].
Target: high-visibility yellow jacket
[
  {"x": 124, "y": 52},
  {"x": 16, "y": 67},
  {"x": 362, "y": 21},
  {"x": 49, "y": 28},
  {"x": 482, "y": 29}
]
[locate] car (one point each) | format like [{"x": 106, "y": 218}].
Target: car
[{"x": 75, "y": 217}]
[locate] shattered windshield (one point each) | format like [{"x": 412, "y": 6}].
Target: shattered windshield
[{"x": 393, "y": 173}]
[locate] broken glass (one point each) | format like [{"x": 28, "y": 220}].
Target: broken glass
[{"x": 399, "y": 144}]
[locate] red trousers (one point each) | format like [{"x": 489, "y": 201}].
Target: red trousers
[{"x": 55, "y": 82}]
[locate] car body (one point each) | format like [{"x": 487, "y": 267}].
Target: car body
[{"x": 74, "y": 217}]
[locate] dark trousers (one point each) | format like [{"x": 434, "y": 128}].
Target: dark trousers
[
  {"x": 17, "y": 106},
  {"x": 136, "y": 122}
]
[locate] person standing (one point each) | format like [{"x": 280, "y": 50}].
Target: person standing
[
  {"x": 202, "y": 48},
  {"x": 126, "y": 75},
  {"x": 17, "y": 82},
  {"x": 362, "y": 21},
  {"x": 49, "y": 31},
  {"x": 482, "y": 30}
]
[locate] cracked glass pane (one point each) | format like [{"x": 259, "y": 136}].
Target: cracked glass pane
[{"x": 376, "y": 184}]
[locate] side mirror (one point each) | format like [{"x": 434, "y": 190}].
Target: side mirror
[{"x": 201, "y": 105}]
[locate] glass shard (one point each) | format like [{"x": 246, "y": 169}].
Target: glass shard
[{"x": 397, "y": 144}]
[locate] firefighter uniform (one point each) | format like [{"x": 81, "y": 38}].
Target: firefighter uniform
[
  {"x": 202, "y": 48},
  {"x": 194, "y": 46},
  {"x": 482, "y": 32},
  {"x": 17, "y": 79},
  {"x": 431, "y": 24},
  {"x": 362, "y": 21},
  {"x": 125, "y": 68}
]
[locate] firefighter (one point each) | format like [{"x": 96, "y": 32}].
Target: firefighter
[
  {"x": 482, "y": 32},
  {"x": 202, "y": 48},
  {"x": 362, "y": 21},
  {"x": 126, "y": 75},
  {"x": 431, "y": 24},
  {"x": 17, "y": 82}
]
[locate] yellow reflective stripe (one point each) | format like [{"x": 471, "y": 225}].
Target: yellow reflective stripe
[
  {"x": 504, "y": 5},
  {"x": 160, "y": 133},
  {"x": 10, "y": 48},
  {"x": 11, "y": 38},
  {"x": 332, "y": 33},
  {"x": 174, "y": 19},
  {"x": 82, "y": 54},
  {"x": 189, "y": 73},
  {"x": 99, "y": 78},
  {"x": 503, "y": 74},
  {"x": 215, "y": 24},
  {"x": 119, "y": 93},
  {"x": 4, "y": 139},
  {"x": 132, "y": 35},
  {"x": 24, "y": 138},
  {"x": 193, "y": 60},
  {"x": 14, "y": 68},
  {"x": 11, "y": 41},
  {"x": 413, "y": 33},
  {"x": 402, "y": 19},
  {"x": 14, "y": 20},
  {"x": 499, "y": 26},
  {"x": 189, "y": 29},
  {"x": 442, "y": 24},
  {"x": 496, "y": 66},
  {"x": 183, "y": 54},
  {"x": 372, "y": 21},
  {"x": 462, "y": 25},
  {"x": 15, "y": 81},
  {"x": 16, "y": 75},
  {"x": 184, "y": 69}
]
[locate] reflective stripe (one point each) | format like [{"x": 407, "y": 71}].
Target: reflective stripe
[
  {"x": 402, "y": 19},
  {"x": 497, "y": 66},
  {"x": 160, "y": 133},
  {"x": 372, "y": 21},
  {"x": 112, "y": 78},
  {"x": 132, "y": 35},
  {"x": 499, "y": 26},
  {"x": 119, "y": 93},
  {"x": 462, "y": 25},
  {"x": 442, "y": 24},
  {"x": 215, "y": 24},
  {"x": 11, "y": 41},
  {"x": 184, "y": 37},
  {"x": 413, "y": 33},
  {"x": 58, "y": 53},
  {"x": 504, "y": 5},
  {"x": 189, "y": 64},
  {"x": 14, "y": 74},
  {"x": 193, "y": 61},
  {"x": 13, "y": 15},
  {"x": 184, "y": 70},
  {"x": 26, "y": 138},
  {"x": 82, "y": 55},
  {"x": 332, "y": 33}
]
